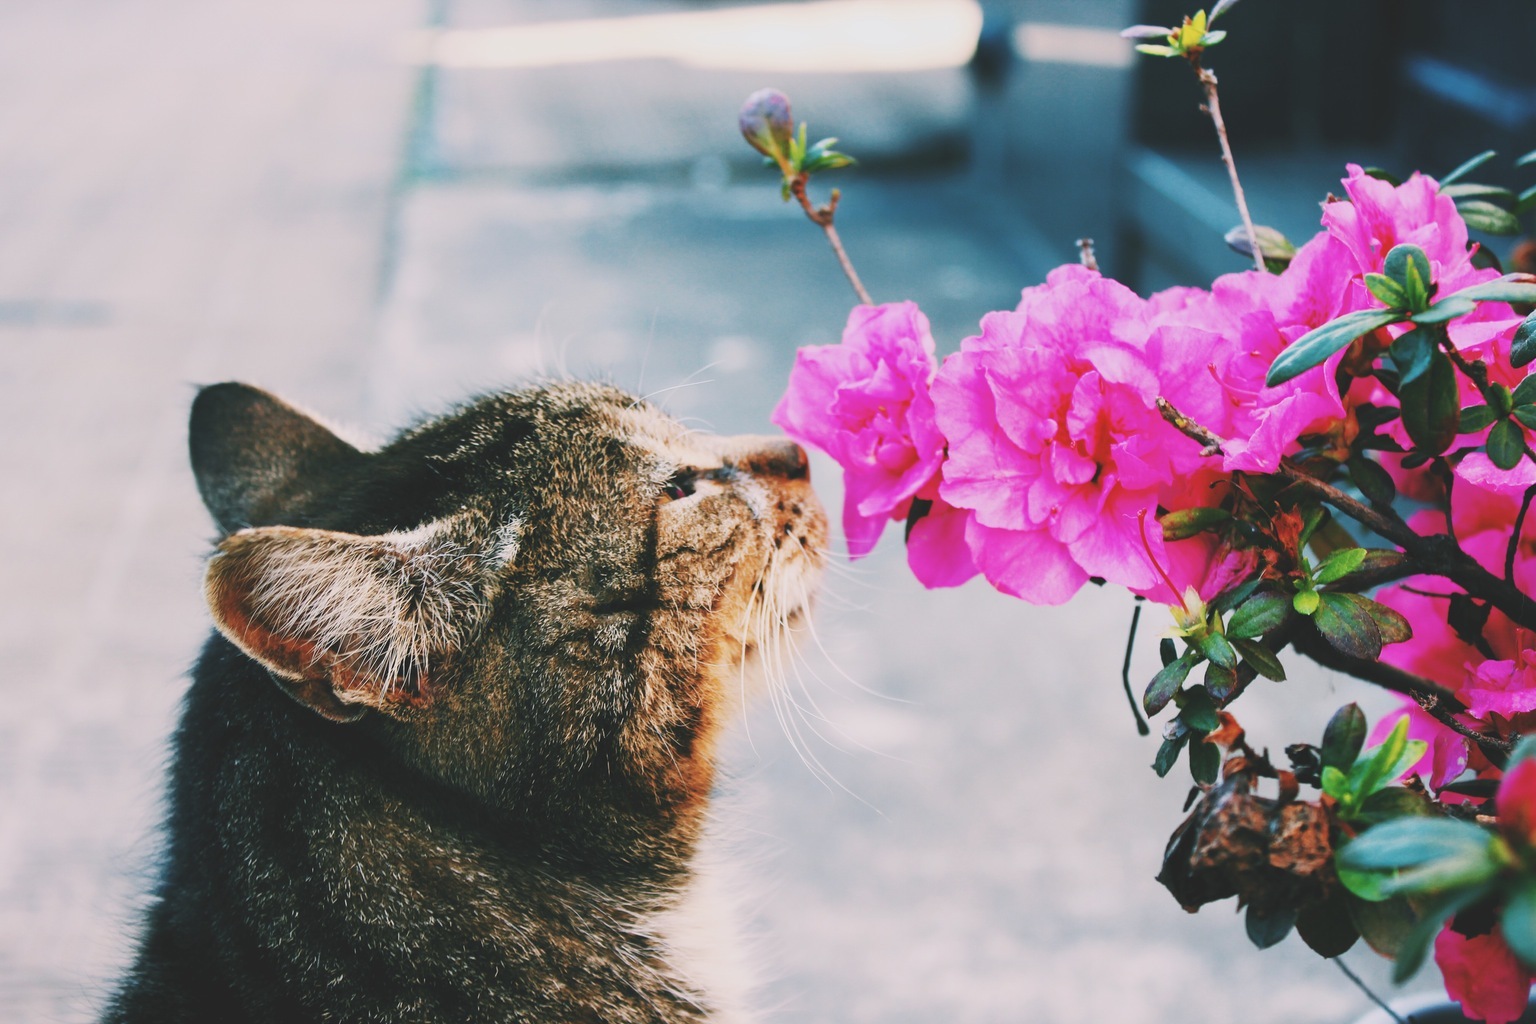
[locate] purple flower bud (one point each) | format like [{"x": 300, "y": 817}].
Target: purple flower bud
[{"x": 766, "y": 124}]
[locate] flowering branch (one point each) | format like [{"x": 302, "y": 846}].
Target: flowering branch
[
  {"x": 1212, "y": 107},
  {"x": 822, "y": 217},
  {"x": 1494, "y": 748}
]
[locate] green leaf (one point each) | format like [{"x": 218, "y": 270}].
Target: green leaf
[
  {"x": 1334, "y": 782},
  {"x": 1413, "y": 841},
  {"x": 1526, "y": 159},
  {"x": 1372, "y": 480},
  {"x": 1485, "y": 216},
  {"x": 1339, "y": 564},
  {"x": 1314, "y": 347},
  {"x": 1220, "y": 681},
  {"x": 1447, "y": 874},
  {"x": 1394, "y": 627},
  {"x": 1409, "y": 267},
  {"x": 1525, "y": 202},
  {"x": 1212, "y": 38},
  {"x": 1390, "y": 803},
  {"x": 1204, "y": 762},
  {"x": 1231, "y": 599},
  {"x": 1387, "y": 291},
  {"x": 1525, "y": 391},
  {"x": 1146, "y": 32},
  {"x": 1411, "y": 354},
  {"x": 1432, "y": 406},
  {"x": 1273, "y": 246},
  {"x": 1343, "y": 737},
  {"x": 1267, "y": 929},
  {"x": 1448, "y": 308},
  {"x": 1523, "y": 348},
  {"x": 1259, "y": 614},
  {"x": 1167, "y": 682},
  {"x": 1189, "y": 521},
  {"x": 1468, "y": 167},
  {"x": 1382, "y": 174},
  {"x": 1168, "y": 754},
  {"x": 1525, "y": 749},
  {"x": 1347, "y": 628},
  {"x": 1155, "y": 50},
  {"x": 1475, "y": 418},
  {"x": 1509, "y": 288},
  {"x": 1506, "y": 444},
  {"x": 1198, "y": 711},
  {"x": 1222, "y": 7},
  {"x": 1305, "y": 602},
  {"x": 1260, "y": 658},
  {"x": 1467, "y": 190},
  {"x": 1324, "y": 925},
  {"x": 1410, "y": 956},
  {"x": 1384, "y": 925},
  {"x": 1526, "y": 414},
  {"x": 1373, "y": 769},
  {"x": 1167, "y": 653},
  {"x": 1215, "y": 647},
  {"x": 1519, "y": 921}
]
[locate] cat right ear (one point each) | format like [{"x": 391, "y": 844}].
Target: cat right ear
[{"x": 255, "y": 457}]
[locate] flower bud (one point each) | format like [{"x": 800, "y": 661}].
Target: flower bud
[{"x": 766, "y": 124}]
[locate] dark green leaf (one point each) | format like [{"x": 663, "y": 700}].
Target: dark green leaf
[
  {"x": 1448, "y": 308},
  {"x": 1267, "y": 929},
  {"x": 1167, "y": 651},
  {"x": 1475, "y": 418},
  {"x": 1167, "y": 682},
  {"x": 1525, "y": 391},
  {"x": 1339, "y": 564},
  {"x": 1325, "y": 926},
  {"x": 1344, "y": 737},
  {"x": 1314, "y": 347},
  {"x": 1220, "y": 681},
  {"x": 1310, "y": 521},
  {"x": 1526, "y": 414},
  {"x": 1447, "y": 874},
  {"x": 1382, "y": 174},
  {"x": 1389, "y": 803},
  {"x": 1525, "y": 203},
  {"x": 1410, "y": 955},
  {"x": 1215, "y": 647},
  {"x": 1432, "y": 406},
  {"x": 1413, "y": 841},
  {"x": 1168, "y": 754},
  {"x": 1369, "y": 886},
  {"x": 1509, "y": 288},
  {"x": 1259, "y": 614},
  {"x": 1523, "y": 348},
  {"x": 1260, "y": 658},
  {"x": 1197, "y": 710},
  {"x": 1467, "y": 616},
  {"x": 1484, "y": 216},
  {"x": 1519, "y": 921},
  {"x": 1394, "y": 627},
  {"x": 1411, "y": 354},
  {"x": 1347, "y": 628},
  {"x": 1204, "y": 762},
  {"x": 1384, "y": 925},
  {"x": 1372, "y": 480},
  {"x": 1234, "y": 597},
  {"x": 1190, "y": 521},
  {"x": 1506, "y": 444},
  {"x": 1466, "y": 168}
]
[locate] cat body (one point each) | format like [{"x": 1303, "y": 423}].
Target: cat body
[{"x": 448, "y": 756}]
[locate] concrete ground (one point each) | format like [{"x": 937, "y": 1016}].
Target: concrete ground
[{"x": 266, "y": 190}]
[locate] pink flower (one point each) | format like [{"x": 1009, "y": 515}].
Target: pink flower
[
  {"x": 1517, "y": 805},
  {"x": 1483, "y": 975},
  {"x": 865, "y": 402},
  {"x": 1505, "y": 687},
  {"x": 1054, "y": 443}
]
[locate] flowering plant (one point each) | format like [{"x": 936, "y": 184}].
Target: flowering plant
[{"x": 1326, "y": 455}]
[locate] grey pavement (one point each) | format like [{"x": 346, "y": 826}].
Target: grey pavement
[{"x": 956, "y": 822}]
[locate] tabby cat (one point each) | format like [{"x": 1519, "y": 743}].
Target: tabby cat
[{"x": 448, "y": 755}]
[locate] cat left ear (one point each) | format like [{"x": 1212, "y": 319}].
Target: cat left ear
[{"x": 347, "y": 622}]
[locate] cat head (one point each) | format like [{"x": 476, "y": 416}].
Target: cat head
[{"x": 544, "y": 598}]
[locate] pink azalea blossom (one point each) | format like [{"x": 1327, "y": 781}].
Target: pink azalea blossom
[
  {"x": 865, "y": 402},
  {"x": 1517, "y": 805},
  {"x": 1483, "y": 975},
  {"x": 1055, "y": 444}
]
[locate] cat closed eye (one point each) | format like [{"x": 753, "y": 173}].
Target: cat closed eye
[{"x": 680, "y": 485}]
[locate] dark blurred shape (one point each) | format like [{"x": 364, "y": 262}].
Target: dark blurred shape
[{"x": 994, "y": 54}]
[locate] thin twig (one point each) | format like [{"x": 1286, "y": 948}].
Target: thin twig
[
  {"x": 1213, "y": 108},
  {"x": 1436, "y": 554},
  {"x": 1496, "y": 750},
  {"x": 822, "y": 216},
  {"x": 1514, "y": 538},
  {"x": 1125, "y": 669},
  {"x": 1363, "y": 987}
]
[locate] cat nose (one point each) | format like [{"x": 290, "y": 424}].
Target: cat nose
[{"x": 773, "y": 456}]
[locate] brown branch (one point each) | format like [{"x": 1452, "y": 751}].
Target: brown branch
[
  {"x": 1436, "y": 555},
  {"x": 1494, "y": 748},
  {"x": 1213, "y": 108},
  {"x": 822, "y": 217},
  {"x": 1379, "y": 673}
]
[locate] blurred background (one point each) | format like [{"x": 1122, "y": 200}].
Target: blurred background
[{"x": 375, "y": 207}]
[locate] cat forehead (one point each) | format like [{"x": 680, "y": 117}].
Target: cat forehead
[{"x": 666, "y": 441}]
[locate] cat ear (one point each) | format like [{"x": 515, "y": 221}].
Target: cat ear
[
  {"x": 255, "y": 456},
  {"x": 346, "y": 622}
]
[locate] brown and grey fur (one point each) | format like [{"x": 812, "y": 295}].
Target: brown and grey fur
[{"x": 448, "y": 756}]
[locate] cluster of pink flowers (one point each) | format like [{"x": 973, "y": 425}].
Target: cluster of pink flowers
[{"x": 1042, "y": 461}]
